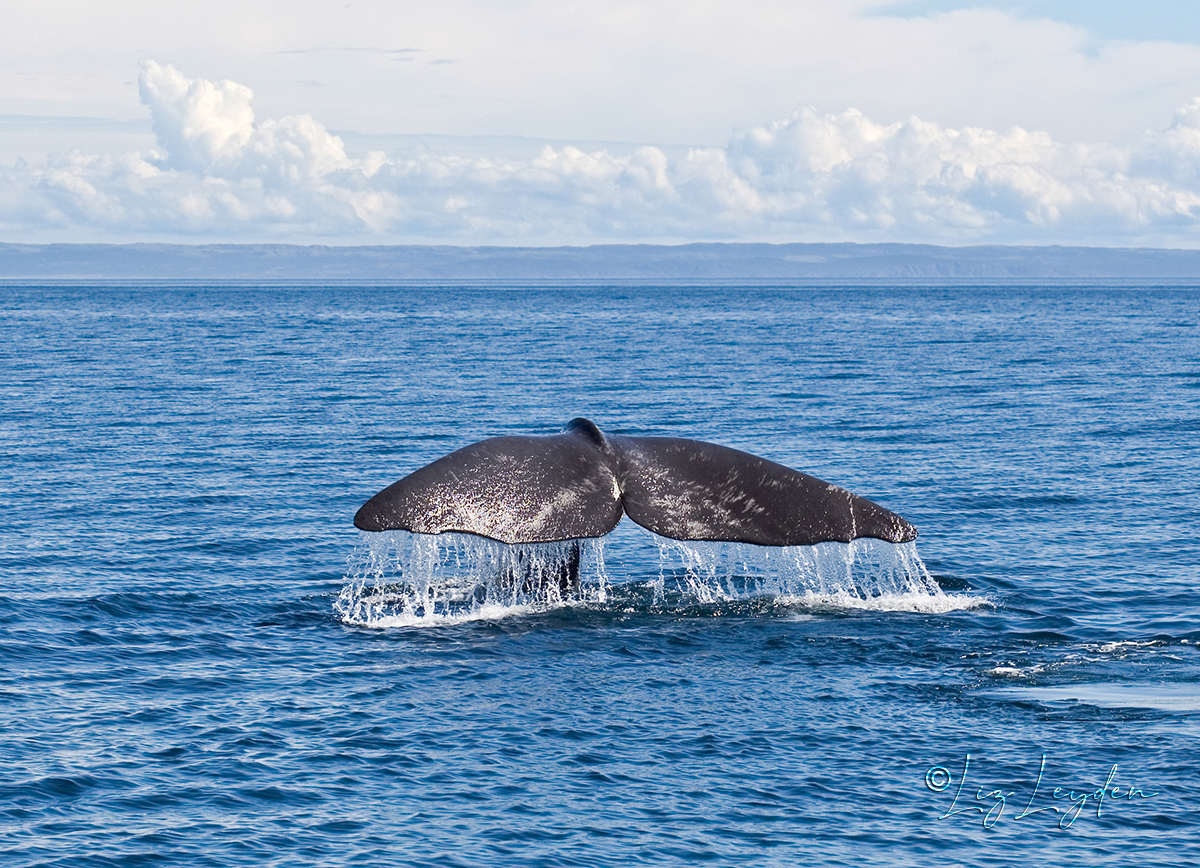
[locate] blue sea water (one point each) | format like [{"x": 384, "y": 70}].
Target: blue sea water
[{"x": 180, "y": 685}]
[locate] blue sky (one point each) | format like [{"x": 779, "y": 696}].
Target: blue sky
[
  {"x": 578, "y": 121},
  {"x": 1166, "y": 20}
]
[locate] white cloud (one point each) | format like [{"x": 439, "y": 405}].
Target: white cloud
[
  {"x": 219, "y": 174},
  {"x": 198, "y": 122},
  {"x": 668, "y": 71}
]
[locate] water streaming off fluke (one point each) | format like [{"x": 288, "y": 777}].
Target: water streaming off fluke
[{"x": 398, "y": 578}]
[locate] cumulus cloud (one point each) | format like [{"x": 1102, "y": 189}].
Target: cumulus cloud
[{"x": 218, "y": 173}]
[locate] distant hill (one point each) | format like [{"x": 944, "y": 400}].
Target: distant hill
[{"x": 687, "y": 263}]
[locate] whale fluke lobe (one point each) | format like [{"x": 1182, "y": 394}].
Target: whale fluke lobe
[
  {"x": 691, "y": 490},
  {"x": 578, "y": 484},
  {"x": 510, "y": 489}
]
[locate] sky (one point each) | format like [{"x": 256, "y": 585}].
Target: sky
[{"x": 581, "y": 122}]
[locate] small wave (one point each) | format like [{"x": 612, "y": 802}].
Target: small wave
[
  {"x": 1013, "y": 671},
  {"x": 1171, "y": 697},
  {"x": 1122, "y": 647}
]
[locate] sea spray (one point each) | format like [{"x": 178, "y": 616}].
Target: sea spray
[
  {"x": 402, "y": 577},
  {"x": 398, "y": 578},
  {"x": 862, "y": 574}
]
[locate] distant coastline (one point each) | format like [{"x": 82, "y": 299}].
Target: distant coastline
[{"x": 783, "y": 264}]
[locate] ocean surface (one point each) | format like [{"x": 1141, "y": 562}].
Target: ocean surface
[{"x": 203, "y": 663}]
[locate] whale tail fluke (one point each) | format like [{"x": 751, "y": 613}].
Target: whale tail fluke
[{"x": 578, "y": 484}]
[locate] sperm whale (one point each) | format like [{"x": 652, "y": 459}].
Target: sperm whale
[{"x": 580, "y": 483}]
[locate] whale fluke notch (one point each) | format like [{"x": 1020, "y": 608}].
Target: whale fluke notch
[{"x": 578, "y": 484}]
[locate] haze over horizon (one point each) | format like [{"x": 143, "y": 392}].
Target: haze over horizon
[{"x": 530, "y": 123}]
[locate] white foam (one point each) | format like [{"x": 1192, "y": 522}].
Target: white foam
[
  {"x": 927, "y": 603},
  {"x": 1007, "y": 672},
  {"x": 1015, "y": 671},
  {"x": 1119, "y": 647},
  {"x": 484, "y": 612}
]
